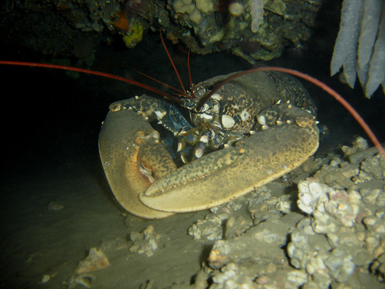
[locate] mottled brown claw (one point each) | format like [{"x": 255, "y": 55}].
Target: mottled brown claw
[
  {"x": 230, "y": 173},
  {"x": 132, "y": 158}
]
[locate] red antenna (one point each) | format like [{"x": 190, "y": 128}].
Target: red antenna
[
  {"x": 88, "y": 71},
  {"x": 313, "y": 80}
]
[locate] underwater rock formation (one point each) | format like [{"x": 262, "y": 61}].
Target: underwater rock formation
[
  {"x": 344, "y": 233},
  {"x": 252, "y": 29},
  {"x": 333, "y": 238},
  {"x": 360, "y": 45},
  {"x": 145, "y": 242}
]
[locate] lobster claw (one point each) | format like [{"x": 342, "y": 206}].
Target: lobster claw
[
  {"x": 289, "y": 137},
  {"x": 132, "y": 158}
]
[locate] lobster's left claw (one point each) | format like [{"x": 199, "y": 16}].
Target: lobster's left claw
[
  {"x": 132, "y": 158},
  {"x": 219, "y": 177}
]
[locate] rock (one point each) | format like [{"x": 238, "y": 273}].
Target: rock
[
  {"x": 145, "y": 242},
  {"x": 95, "y": 260}
]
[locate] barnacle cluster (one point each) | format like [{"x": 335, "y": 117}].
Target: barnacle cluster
[
  {"x": 330, "y": 235},
  {"x": 344, "y": 233},
  {"x": 209, "y": 228}
]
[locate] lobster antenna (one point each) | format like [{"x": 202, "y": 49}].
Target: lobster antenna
[
  {"x": 88, "y": 71},
  {"x": 313, "y": 80},
  {"x": 173, "y": 65},
  {"x": 189, "y": 72},
  {"x": 320, "y": 84},
  {"x": 154, "y": 79}
]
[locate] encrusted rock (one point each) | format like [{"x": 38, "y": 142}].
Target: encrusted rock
[
  {"x": 337, "y": 242},
  {"x": 375, "y": 166},
  {"x": 210, "y": 228},
  {"x": 95, "y": 260},
  {"x": 339, "y": 176},
  {"x": 359, "y": 144},
  {"x": 145, "y": 242},
  {"x": 235, "y": 226},
  {"x": 254, "y": 244},
  {"x": 233, "y": 276},
  {"x": 345, "y": 231},
  {"x": 221, "y": 220},
  {"x": 84, "y": 279},
  {"x": 262, "y": 206}
]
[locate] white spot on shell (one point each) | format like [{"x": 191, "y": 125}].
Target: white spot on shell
[
  {"x": 204, "y": 139},
  {"x": 205, "y": 107},
  {"x": 261, "y": 119},
  {"x": 180, "y": 147},
  {"x": 205, "y": 116},
  {"x": 216, "y": 96},
  {"x": 159, "y": 114},
  {"x": 215, "y": 108},
  {"x": 199, "y": 153},
  {"x": 227, "y": 121},
  {"x": 245, "y": 115}
]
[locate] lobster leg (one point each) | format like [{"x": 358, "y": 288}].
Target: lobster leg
[
  {"x": 132, "y": 158},
  {"x": 289, "y": 138}
]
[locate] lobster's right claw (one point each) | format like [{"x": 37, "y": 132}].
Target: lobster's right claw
[
  {"x": 289, "y": 137},
  {"x": 132, "y": 158}
]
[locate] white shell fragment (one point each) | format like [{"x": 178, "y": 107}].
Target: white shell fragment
[{"x": 245, "y": 115}]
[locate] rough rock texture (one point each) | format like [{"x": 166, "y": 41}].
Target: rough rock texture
[
  {"x": 76, "y": 27},
  {"x": 331, "y": 235}
]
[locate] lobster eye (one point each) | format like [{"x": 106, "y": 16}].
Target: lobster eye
[{"x": 211, "y": 87}]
